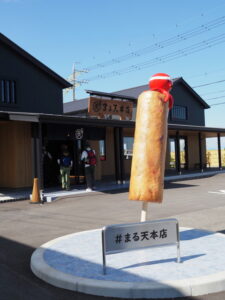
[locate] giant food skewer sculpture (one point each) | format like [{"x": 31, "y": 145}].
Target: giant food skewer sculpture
[{"x": 150, "y": 140}]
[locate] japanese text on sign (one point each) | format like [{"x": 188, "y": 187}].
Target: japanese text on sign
[
  {"x": 123, "y": 237},
  {"x": 140, "y": 235},
  {"x": 101, "y": 107}
]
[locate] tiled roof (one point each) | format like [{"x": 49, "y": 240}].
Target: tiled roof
[
  {"x": 77, "y": 105},
  {"x": 130, "y": 92}
]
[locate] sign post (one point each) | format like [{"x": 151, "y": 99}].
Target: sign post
[{"x": 127, "y": 237}]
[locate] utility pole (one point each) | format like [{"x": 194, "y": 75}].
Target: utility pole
[{"x": 75, "y": 83}]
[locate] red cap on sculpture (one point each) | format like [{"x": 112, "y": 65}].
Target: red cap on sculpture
[{"x": 160, "y": 81}]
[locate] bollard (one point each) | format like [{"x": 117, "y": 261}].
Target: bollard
[{"x": 35, "y": 192}]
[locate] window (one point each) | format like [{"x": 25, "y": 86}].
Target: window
[
  {"x": 128, "y": 147},
  {"x": 179, "y": 112},
  {"x": 7, "y": 91},
  {"x": 102, "y": 150}
]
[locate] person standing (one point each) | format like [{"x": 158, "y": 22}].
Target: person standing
[
  {"x": 47, "y": 166},
  {"x": 88, "y": 156},
  {"x": 65, "y": 162}
]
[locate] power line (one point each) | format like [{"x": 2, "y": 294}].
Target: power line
[
  {"x": 165, "y": 58},
  {"x": 206, "y": 84},
  {"x": 160, "y": 45},
  {"x": 212, "y": 92},
  {"x": 214, "y": 104},
  {"x": 215, "y": 98}
]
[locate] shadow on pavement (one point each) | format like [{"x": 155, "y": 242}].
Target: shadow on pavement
[
  {"x": 176, "y": 185},
  {"x": 192, "y": 234},
  {"x": 17, "y": 282},
  {"x": 167, "y": 185},
  {"x": 162, "y": 261}
]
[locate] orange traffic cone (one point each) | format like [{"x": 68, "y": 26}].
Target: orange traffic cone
[{"x": 36, "y": 192}]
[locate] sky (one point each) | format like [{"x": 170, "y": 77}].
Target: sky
[{"x": 121, "y": 43}]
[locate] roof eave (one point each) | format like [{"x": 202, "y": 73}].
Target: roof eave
[
  {"x": 110, "y": 95},
  {"x": 33, "y": 60}
]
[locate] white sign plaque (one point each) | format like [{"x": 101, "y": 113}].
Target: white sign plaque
[{"x": 124, "y": 237}]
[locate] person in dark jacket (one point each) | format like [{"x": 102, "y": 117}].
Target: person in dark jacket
[
  {"x": 65, "y": 162},
  {"x": 47, "y": 166}
]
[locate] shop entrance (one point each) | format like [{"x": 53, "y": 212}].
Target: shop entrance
[
  {"x": 51, "y": 172},
  {"x": 56, "y": 136}
]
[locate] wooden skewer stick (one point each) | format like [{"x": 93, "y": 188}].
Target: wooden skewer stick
[{"x": 144, "y": 211}]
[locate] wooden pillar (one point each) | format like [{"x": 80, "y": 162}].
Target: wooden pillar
[
  {"x": 37, "y": 165},
  {"x": 121, "y": 155},
  {"x": 40, "y": 157},
  {"x": 186, "y": 153},
  {"x": 219, "y": 151},
  {"x": 200, "y": 151},
  {"x": 178, "y": 152},
  {"x": 117, "y": 155},
  {"x": 34, "y": 130},
  {"x": 119, "y": 162}
]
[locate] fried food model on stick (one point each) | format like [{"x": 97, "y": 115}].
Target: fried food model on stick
[{"x": 150, "y": 140}]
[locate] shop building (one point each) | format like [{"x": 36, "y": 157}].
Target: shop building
[
  {"x": 32, "y": 117},
  {"x": 187, "y": 133}
]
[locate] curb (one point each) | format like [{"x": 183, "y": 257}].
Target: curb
[
  {"x": 14, "y": 199},
  {"x": 188, "y": 287},
  {"x": 176, "y": 178}
]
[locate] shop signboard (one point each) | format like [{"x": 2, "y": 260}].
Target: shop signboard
[{"x": 103, "y": 107}]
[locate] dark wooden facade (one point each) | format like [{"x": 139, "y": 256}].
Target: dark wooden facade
[
  {"x": 26, "y": 87},
  {"x": 35, "y": 87},
  {"x": 185, "y": 96}
]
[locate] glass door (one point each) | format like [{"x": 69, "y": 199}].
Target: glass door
[
  {"x": 183, "y": 153},
  {"x": 175, "y": 151},
  {"x": 172, "y": 149}
]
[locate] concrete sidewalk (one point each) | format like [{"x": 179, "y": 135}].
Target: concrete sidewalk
[{"x": 51, "y": 194}]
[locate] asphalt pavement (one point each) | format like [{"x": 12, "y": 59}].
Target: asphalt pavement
[{"x": 198, "y": 203}]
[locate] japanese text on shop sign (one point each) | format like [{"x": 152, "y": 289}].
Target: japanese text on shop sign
[
  {"x": 124, "y": 237},
  {"x": 140, "y": 235},
  {"x": 102, "y": 107}
]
